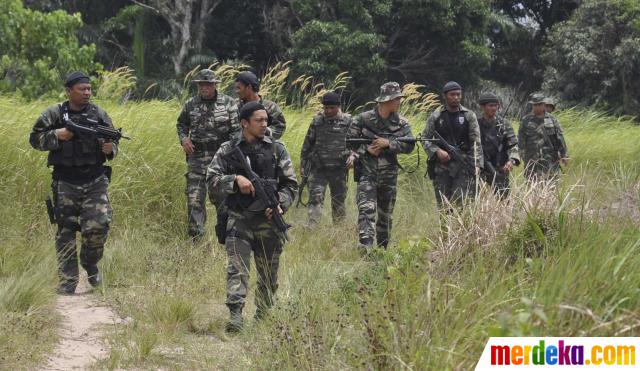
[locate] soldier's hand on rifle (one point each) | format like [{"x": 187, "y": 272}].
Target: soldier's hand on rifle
[
  {"x": 187, "y": 145},
  {"x": 507, "y": 167},
  {"x": 245, "y": 185},
  {"x": 380, "y": 144},
  {"x": 443, "y": 156},
  {"x": 107, "y": 148},
  {"x": 269, "y": 212},
  {"x": 350, "y": 161},
  {"x": 64, "y": 134}
]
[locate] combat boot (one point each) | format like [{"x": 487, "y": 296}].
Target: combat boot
[
  {"x": 235, "y": 318},
  {"x": 95, "y": 278}
]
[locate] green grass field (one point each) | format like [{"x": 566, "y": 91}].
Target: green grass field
[{"x": 558, "y": 262}]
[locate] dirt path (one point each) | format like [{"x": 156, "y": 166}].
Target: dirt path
[{"x": 81, "y": 333}]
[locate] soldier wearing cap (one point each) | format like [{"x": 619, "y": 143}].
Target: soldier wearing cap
[
  {"x": 499, "y": 145},
  {"x": 453, "y": 180},
  {"x": 325, "y": 156},
  {"x": 247, "y": 88},
  {"x": 250, "y": 228},
  {"x": 377, "y": 165},
  {"x": 541, "y": 141},
  {"x": 80, "y": 180},
  {"x": 549, "y": 104},
  {"x": 206, "y": 121}
]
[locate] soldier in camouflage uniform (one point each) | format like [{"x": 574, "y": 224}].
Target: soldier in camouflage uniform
[
  {"x": 550, "y": 104},
  {"x": 499, "y": 145},
  {"x": 247, "y": 88},
  {"x": 80, "y": 180},
  {"x": 206, "y": 121},
  {"x": 325, "y": 156},
  {"x": 459, "y": 127},
  {"x": 377, "y": 165},
  {"x": 541, "y": 142},
  {"x": 250, "y": 228}
]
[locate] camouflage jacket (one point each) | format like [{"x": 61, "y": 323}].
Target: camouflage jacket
[
  {"x": 369, "y": 124},
  {"x": 473, "y": 145},
  {"x": 541, "y": 140},
  {"x": 499, "y": 141},
  {"x": 221, "y": 176},
  {"x": 324, "y": 144},
  {"x": 209, "y": 122},
  {"x": 277, "y": 123}
]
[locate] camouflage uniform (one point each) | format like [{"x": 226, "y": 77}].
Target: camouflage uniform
[
  {"x": 248, "y": 228},
  {"x": 324, "y": 152},
  {"x": 277, "y": 123},
  {"x": 452, "y": 180},
  {"x": 499, "y": 145},
  {"x": 79, "y": 185},
  {"x": 542, "y": 145},
  {"x": 377, "y": 176},
  {"x": 208, "y": 123}
]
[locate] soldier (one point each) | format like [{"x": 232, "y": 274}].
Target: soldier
[
  {"x": 250, "y": 227},
  {"x": 499, "y": 145},
  {"x": 247, "y": 88},
  {"x": 377, "y": 165},
  {"x": 325, "y": 156},
  {"x": 452, "y": 179},
  {"x": 80, "y": 180},
  {"x": 206, "y": 121},
  {"x": 541, "y": 142},
  {"x": 550, "y": 104}
]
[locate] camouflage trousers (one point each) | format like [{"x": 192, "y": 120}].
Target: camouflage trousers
[
  {"x": 541, "y": 170},
  {"x": 244, "y": 236},
  {"x": 336, "y": 179},
  {"x": 84, "y": 208},
  {"x": 196, "y": 192},
  {"x": 453, "y": 188},
  {"x": 499, "y": 183},
  {"x": 376, "y": 197}
]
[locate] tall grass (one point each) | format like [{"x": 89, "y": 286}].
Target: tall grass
[{"x": 552, "y": 261}]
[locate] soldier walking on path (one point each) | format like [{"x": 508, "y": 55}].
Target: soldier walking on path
[
  {"x": 206, "y": 121},
  {"x": 250, "y": 227},
  {"x": 326, "y": 159},
  {"x": 541, "y": 142},
  {"x": 376, "y": 170},
  {"x": 247, "y": 88},
  {"x": 80, "y": 180},
  {"x": 453, "y": 179},
  {"x": 499, "y": 145}
]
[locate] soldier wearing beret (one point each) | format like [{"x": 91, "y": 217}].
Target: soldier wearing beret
[
  {"x": 247, "y": 88},
  {"x": 80, "y": 180},
  {"x": 206, "y": 121},
  {"x": 452, "y": 179},
  {"x": 499, "y": 145},
  {"x": 325, "y": 156}
]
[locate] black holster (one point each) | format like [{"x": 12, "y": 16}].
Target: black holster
[{"x": 221, "y": 226}]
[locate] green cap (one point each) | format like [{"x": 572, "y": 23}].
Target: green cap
[
  {"x": 537, "y": 98},
  {"x": 389, "y": 91},
  {"x": 205, "y": 75}
]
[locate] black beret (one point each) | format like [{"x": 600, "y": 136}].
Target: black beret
[
  {"x": 248, "y": 109},
  {"x": 486, "y": 98},
  {"x": 451, "y": 85},
  {"x": 331, "y": 99},
  {"x": 248, "y": 78},
  {"x": 76, "y": 77}
]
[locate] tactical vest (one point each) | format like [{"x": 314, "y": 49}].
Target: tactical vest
[
  {"x": 492, "y": 138},
  {"x": 455, "y": 131},
  {"x": 210, "y": 124},
  {"x": 80, "y": 150},
  {"x": 370, "y": 130},
  {"x": 330, "y": 147},
  {"x": 262, "y": 159}
]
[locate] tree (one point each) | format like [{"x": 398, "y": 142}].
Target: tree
[
  {"x": 187, "y": 20},
  {"x": 593, "y": 57},
  {"x": 39, "y": 49}
]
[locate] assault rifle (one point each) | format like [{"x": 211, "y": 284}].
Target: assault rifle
[
  {"x": 455, "y": 153},
  {"x": 264, "y": 192},
  {"x": 360, "y": 141},
  {"x": 93, "y": 129},
  {"x": 303, "y": 183}
]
